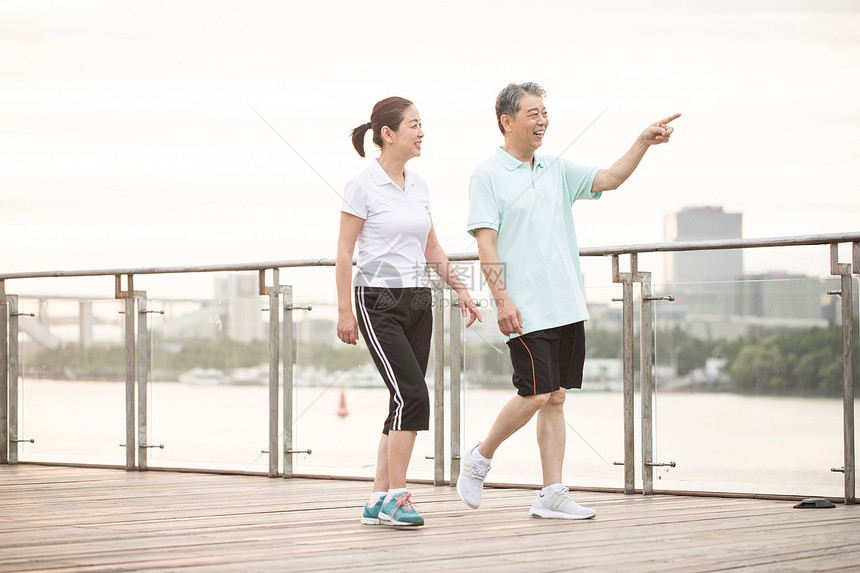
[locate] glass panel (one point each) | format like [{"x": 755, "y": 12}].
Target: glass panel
[
  {"x": 72, "y": 387},
  {"x": 208, "y": 391},
  {"x": 749, "y": 378},
  {"x": 593, "y": 415},
  {"x": 341, "y": 401}
]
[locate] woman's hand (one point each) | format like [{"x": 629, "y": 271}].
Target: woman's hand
[
  {"x": 468, "y": 306},
  {"x": 347, "y": 327}
]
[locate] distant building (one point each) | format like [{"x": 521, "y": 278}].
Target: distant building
[
  {"x": 702, "y": 281},
  {"x": 794, "y": 298},
  {"x": 703, "y": 224},
  {"x": 316, "y": 330},
  {"x": 713, "y": 297},
  {"x": 243, "y": 319}
]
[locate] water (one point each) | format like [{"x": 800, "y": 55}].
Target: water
[{"x": 720, "y": 442}]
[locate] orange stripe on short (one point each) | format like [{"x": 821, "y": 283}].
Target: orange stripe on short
[{"x": 534, "y": 376}]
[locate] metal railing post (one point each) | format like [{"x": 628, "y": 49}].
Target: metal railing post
[
  {"x": 142, "y": 379},
  {"x": 626, "y": 280},
  {"x": 439, "y": 383},
  {"x": 288, "y": 361},
  {"x": 274, "y": 359},
  {"x": 14, "y": 369},
  {"x": 130, "y": 371},
  {"x": 4, "y": 376},
  {"x": 847, "y": 303},
  {"x": 455, "y": 366},
  {"x": 848, "y": 382},
  {"x": 646, "y": 373}
]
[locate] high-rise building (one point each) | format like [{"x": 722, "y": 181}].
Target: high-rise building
[
  {"x": 243, "y": 319},
  {"x": 702, "y": 224}
]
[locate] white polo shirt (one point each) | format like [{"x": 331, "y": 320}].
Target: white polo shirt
[{"x": 393, "y": 237}]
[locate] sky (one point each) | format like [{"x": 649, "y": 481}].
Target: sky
[{"x": 131, "y": 132}]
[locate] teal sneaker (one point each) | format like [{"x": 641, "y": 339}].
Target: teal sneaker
[
  {"x": 399, "y": 511},
  {"x": 371, "y": 514}
]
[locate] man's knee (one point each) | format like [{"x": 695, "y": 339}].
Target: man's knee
[
  {"x": 555, "y": 399},
  {"x": 537, "y": 401}
]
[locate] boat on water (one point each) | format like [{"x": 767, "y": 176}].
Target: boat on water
[
  {"x": 202, "y": 377},
  {"x": 253, "y": 376}
]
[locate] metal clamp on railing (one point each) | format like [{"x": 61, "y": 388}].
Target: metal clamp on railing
[
  {"x": 291, "y": 307},
  {"x": 660, "y": 464},
  {"x": 669, "y": 298},
  {"x": 307, "y": 451},
  {"x": 151, "y": 312},
  {"x": 838, "y": 470},
  {"x": 22, "y": 314},
  {"x": 31, "y": 441},
  {"x": 836, "y": 292},
  {"x": 159, "y": 446}
]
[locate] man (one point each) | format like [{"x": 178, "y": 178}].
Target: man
[{"x": 520, "y": 214}]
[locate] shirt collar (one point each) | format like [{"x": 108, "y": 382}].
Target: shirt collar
[
  {"x": 510, "y": 162},
  {"x": 380, "y": 177}
]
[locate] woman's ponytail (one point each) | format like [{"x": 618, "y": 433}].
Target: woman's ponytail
[{"x": 358, "y": 137}]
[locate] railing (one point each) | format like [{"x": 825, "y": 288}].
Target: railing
[{"x": 281, "y": 414}]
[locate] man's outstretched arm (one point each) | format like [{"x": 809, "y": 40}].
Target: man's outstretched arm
[{"x": 654, "y": 134}]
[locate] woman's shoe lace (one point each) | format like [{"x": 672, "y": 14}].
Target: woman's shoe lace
[{"x": 405, "y": 502}]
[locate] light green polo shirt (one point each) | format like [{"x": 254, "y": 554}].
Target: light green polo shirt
[{"x": 531, "y": 211}]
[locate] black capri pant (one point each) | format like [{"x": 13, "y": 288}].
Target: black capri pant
[{"x": 397, "y": 324}]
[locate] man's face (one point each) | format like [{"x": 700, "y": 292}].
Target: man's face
[{"x": 529, "y": 126}]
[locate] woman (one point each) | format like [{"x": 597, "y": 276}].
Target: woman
[{"x": 386, "y": 209}]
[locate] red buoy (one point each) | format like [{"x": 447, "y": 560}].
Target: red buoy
[{"x": 342, "y": 410}]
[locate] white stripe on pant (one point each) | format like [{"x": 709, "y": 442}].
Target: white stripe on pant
[{"x": 389, "y": 371}]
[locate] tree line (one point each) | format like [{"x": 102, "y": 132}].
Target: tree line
[{"x": 805, "y": 362}]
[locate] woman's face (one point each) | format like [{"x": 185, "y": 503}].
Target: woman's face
[{"x": 407, "y": 139}]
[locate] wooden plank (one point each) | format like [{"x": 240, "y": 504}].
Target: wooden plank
[{"x": 75, "y": 519}]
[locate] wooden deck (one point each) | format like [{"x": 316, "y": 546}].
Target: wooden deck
[{"x": 79, "y": 519}]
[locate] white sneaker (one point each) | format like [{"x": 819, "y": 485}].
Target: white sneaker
[
  {"x": 470, "y": 484},
  {"x": 560, "y": 506}
]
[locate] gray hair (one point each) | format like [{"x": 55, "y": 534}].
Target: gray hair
[{"x": 508, "y": 100}]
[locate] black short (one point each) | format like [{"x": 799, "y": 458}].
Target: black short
[{"x": 546, "y": 360}]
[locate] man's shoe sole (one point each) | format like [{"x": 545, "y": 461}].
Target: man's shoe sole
[
  {"x": 463, "y": 499},
  {"x": 550, "y": 514}
]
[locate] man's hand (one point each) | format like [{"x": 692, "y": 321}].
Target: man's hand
[
  {"x": 509, "y": 318},
  {"x": 659, "y": 132}
]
